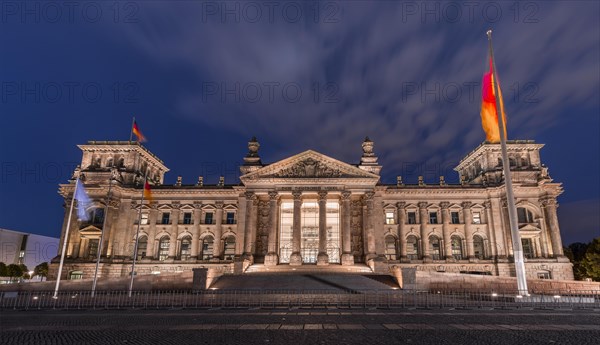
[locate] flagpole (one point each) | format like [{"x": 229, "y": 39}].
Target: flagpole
[
  {"x": 137, "y": 236},
  {"x": 131, "y": 129},
  {"x": 102, "y": 233},
  {"x": 64, "y": 249},
  {"x": 512, "y": 209}
]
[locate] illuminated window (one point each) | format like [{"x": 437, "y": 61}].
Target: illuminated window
[
  {"x": 389, "y": 217},
  {"x": 412, "y": 248},
  {"x": 476, "y": 218},
  {"x": 163, "y": 248},
  {"x": 144, "y": 219},
  {"x": 207, "y": 248},
  {"x": 186, "y": 248}
]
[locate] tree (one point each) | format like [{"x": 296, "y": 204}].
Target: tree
[
  {"x": 14, "y": 271},
  {"x": 41, "y": 270},
  {"x": 3, "y": 271},
  {"x": 576, "y": 253},
  {"x": 590, "y": 264}
]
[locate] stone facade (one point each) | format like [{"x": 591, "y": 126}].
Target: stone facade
[{"x": 312, "y": 209}]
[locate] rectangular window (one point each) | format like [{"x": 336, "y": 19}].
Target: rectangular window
[
  {"x": 412, "y": 218},
  {"x": 208, "y": 218},
  {"x": 187, "y": 218},
  {"x": 389, "y": 218},
  {"x": 98, "y": 216},
  {"x": 93, "y": 248},
  {"x": 144, "y": 219},
  {"x": 165, "y": 218},
  {"x": 230, "y": 219},
  {"x": 527, "y": 248},
  {"x": 454, "y": 216},
  {"x": 476, "y": 218},
  {"x": 433, "y": 218}
]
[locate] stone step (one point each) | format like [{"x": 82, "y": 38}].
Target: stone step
[
  {"x": 260, "y": 268},
  {"x": 278, "y": 281}
]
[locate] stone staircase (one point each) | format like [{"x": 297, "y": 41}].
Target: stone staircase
[
  {"x": 306, "y": 278},
  {"x": 260, "y": 268}
]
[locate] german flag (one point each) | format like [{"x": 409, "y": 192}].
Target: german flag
[
  {"x": 489, "y": 111},
  {"x": 136, "y": 130},
  {"x": 147, "y": 192}
]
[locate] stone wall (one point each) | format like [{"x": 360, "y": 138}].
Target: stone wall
[{"x": 433, "y": 281}]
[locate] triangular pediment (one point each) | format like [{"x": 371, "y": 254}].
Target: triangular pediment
[
  {"x": 90, "y": 231},
  {"x": 309, "y": 165},
  {"x": 529, "y": 227}
]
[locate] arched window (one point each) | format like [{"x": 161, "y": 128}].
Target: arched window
[
  {"x": 524, "y": 215},
  {"x": 478, "y": 248},
  {"x": 434, "y": 247},
  {"x": 163, "y": 248},
  {"x": 186, "y": 248},
  {"x": 142, "y": 246},
  {"x": 207, "y": 247},
  {"x": 412, "y": 248},
  {"x": 229, "y": 248},
  {"x": 390, "y": 248},
  {"x": 457, "y": 251}
]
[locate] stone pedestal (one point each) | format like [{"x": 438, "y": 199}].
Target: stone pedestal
[
  {"x": 347, "y": 259},
  {"x": 295, "y": 259},
  {"x": 271, "y": 259},
  {"x": 322, "y": 259}
]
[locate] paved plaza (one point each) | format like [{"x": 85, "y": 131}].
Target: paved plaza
[{"x": 300, "y": 327}]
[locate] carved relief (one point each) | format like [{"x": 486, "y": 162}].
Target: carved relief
[{"x": 309, "y": 168}]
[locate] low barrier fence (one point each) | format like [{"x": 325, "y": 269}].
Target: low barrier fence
[{"x": 291, "y": 299}]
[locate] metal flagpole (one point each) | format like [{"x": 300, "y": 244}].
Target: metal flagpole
[
  {"x": 137, "y": 236},
  {"x": 102, "y": 234},
  {"x": 64, "y": 249},
  {"x": 131, "y": 129},
  {"x": 512, "y": 209}
]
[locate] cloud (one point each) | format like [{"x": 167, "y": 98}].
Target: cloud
[{"x": 373, "y": 73}]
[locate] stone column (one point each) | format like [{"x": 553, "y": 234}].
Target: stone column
[
  {"x": 468, "y": 231},
  {"x": 254, "y": 223},
  {"x": 124, "y": 226},
  {"x": 347, "y": 257},
  {"x": 151, "y": 250},
  {"x": 322, "y": 257},
  {"x": 196, "y": 230},
  {"x": 248, "y": 240},
  {"x": 424, "y": 238},
  {"x": 506, "y": 228},
  {"x": 446, "y": 229},
  {"x": 490, "y": 227},
  {"x": 370, "y": 231},
  {"x": 174, "y": 241},
  {"x": 296, "y": 257},
  {"x": 401, "y": 213},
  {"x": 543, "y": 236},
  {"x": 112, "y": 228},
  {"x": 549, "y": 205},
  {"x": 217, "y": 251},
  {"x": 272, "y": 259}
]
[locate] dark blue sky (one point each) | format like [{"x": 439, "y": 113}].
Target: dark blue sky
[{"x": 203, "y": 77}]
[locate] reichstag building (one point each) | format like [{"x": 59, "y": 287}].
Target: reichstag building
[{"x": 311, "y": 209}]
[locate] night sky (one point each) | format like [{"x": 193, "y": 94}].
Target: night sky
[{"x": 202, "y": 78}]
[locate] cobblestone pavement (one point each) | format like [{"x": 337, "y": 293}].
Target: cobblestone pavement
[{"x": 292, "y": 327}]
